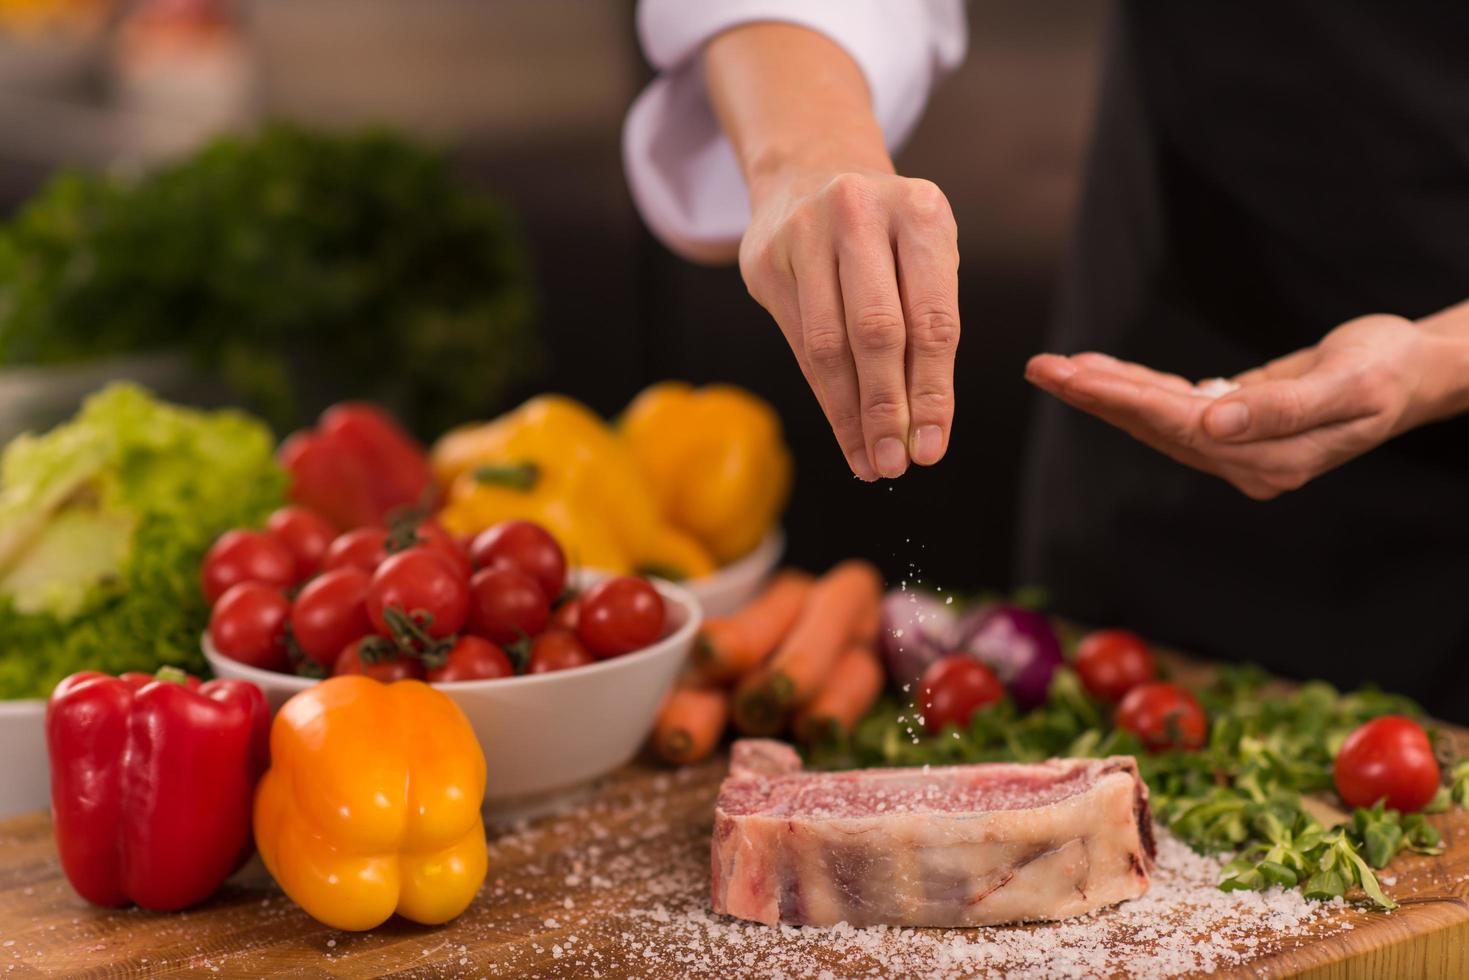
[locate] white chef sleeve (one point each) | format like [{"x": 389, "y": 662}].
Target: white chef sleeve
[{"x": 680, "y": 168}]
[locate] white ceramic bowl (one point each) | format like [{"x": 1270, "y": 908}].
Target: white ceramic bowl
[
  {"x": 735, "y": 584},
  {"x": 24, "y": 772},
  {"x": 547, "y": 732}
]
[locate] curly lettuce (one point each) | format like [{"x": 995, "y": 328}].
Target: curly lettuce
[{"x": 103, "y": 523}]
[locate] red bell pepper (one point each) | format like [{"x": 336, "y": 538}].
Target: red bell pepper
[
  {"x": 357, "y": 467},
  {"x": 152, "y": 783}
]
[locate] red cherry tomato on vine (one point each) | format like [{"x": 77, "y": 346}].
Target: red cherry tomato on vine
[
  {"x": 506, "y": 604},
  {"x": 330, "y": 612},
  {"x": 473, "y": 658},
  {"x": 306, "y": 535},
  {"x": 557, "y": 649},
  {"x": 431, "y": 534},
  {"x": 1113, "y": 662},
  {"x": 364, "y": 548},
  {"x": 620, "y": 615},
  {"x": 395, "y": 667},
  {"x": 567, "y": 616},
  {"x": 953, "y": 689},
  {"x": 1388, "y": 758},
  {"x": 1163, "y": 716},
  {"x": 245, "y": 556},
  {"x": 248, "y": 624},
  {"x": 421, "y": 584},
  {"x": 526, "y": 546}
]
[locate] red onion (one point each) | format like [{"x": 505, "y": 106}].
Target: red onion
[
  {"x": 1018, "y": 644},
  {"x": 917, "y": 629}
]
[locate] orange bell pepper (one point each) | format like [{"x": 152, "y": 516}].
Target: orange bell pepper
[{"x": 372, "y": 803}]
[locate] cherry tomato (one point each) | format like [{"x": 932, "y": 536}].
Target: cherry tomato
[
  {"x": 431, "y": 534},
  {"x": 364, "y": 548},
  {"x": 306, "y": 535},
  {"x": 473, "y": 658},
  {"x": 953, "y": 688},
  {"x": 1387, "y": 758},
  {"x": 1113, "y": 662},
  {"x": 1163, "y": 716},
  {"x": 395, "y": 667},
  {"x": 248, "y": 624},
  {"x": 506, "y": 604},
  {"x": 422, "y": 584},
  {"x": 526, "y": 546},
  {"x": 330, "y": 612},
  {"x": 620, "y": 615},
  {"x": 567, "y": 616},
  {"x": 245, "y": 556},
  {"x": 557, "y": 650}
]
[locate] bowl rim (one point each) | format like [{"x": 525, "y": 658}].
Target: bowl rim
[
  {"x": 759, "y": 560},
  {"x": 679, "y": 639}
]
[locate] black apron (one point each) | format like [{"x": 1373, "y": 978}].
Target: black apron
[{"x": 1262, "y": 173}]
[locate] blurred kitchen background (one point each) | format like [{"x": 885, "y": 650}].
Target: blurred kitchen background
[{"x": 527, "y": 98}]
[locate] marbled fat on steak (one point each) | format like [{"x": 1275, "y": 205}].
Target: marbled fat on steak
[{"x": 950, "y": 846}]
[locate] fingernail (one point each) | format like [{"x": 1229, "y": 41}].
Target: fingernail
[
  {"x": 857, "y": 460},
  {"x": 892, "y": 458},
  {"x": 1229, "y": 419},
  {"x": 928, "y": 445}
]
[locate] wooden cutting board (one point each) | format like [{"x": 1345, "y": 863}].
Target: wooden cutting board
[{"x": 584, "y": 893}]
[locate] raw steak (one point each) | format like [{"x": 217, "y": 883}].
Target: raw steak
[{"x": 949, "y": 846}]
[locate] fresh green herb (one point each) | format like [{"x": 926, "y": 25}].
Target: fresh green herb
[
  {"x": 296, "y": 265},
  {"x": 1242, "y": 794}
]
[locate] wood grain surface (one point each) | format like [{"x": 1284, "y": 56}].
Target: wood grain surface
[{"x": 579, "y": 892}]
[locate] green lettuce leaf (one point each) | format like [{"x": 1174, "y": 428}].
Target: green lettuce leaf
[{"x": 103, "y": 523}]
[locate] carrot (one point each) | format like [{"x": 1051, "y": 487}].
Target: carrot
[
  {"x": 729, "y": 646},
  {"x": 849, "y": 692},
  {"x": 868, "y": 624},
  {"x": 791, "y": 677},
  {"x": 690, "y": 723}
]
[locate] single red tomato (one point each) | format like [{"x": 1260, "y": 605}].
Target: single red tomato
[
  {"x": 329, "y": 480},
  {"x": 1113, "y": 662},
  {"x": 363, "y": 547},
  {"x": 420, "y": 583},
  {"x": 248, "y": 624},
  {"x": 526, "y": 546},
  {"x": 1163, "y": 716},
  {"x": 506, "y": 604},
  {"x": 567, "y": 615},
  {"x": 330, "y": 612},
  {"x": 620, "y": 615},
  {"x": 953, "y": 688},
  {"x": 473, "y": 658},
  {"x": 431, "y": 534},
  {"x": 392, "y": 666},
  {"x": 306, "y": 535},
  {"x": 245, "y": 556},
  {"x": 557, "y": 650},
  {"x": 1388, "y": 758}
]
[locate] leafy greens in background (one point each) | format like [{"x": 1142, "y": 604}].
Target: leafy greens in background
[
  {"x": 281, "y": 256},
  {"x": 103, "y": 523},
  {"x": 1247, "y": 793}
]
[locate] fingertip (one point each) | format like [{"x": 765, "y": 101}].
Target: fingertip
[
  {"x": 891, "y": 457},
  {"x": 928, "y": 445},
  {"x": 1049, "y": 369},
  {"x": 860, "y": 467},
  {"x": 1227, "y": 419}
]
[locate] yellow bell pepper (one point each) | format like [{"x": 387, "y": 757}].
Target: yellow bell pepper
[
  {"x": 716, "y": 459},
  {"x": 372, "y": 803},
  {"x": 555, "y": 462}
]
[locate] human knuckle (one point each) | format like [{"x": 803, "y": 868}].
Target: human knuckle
[
  {"x": 883, "y": 408},
  {"x": 934, "y": 327},
  {"x": 927, "y": 204},
  {"x": 932, "y": 402},
  {"x": 851, "y": 197},
  {"x": 826, "y": 349},
  {"x": 1374, "y": 388},
  {"x": 876, "y": 330}
]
